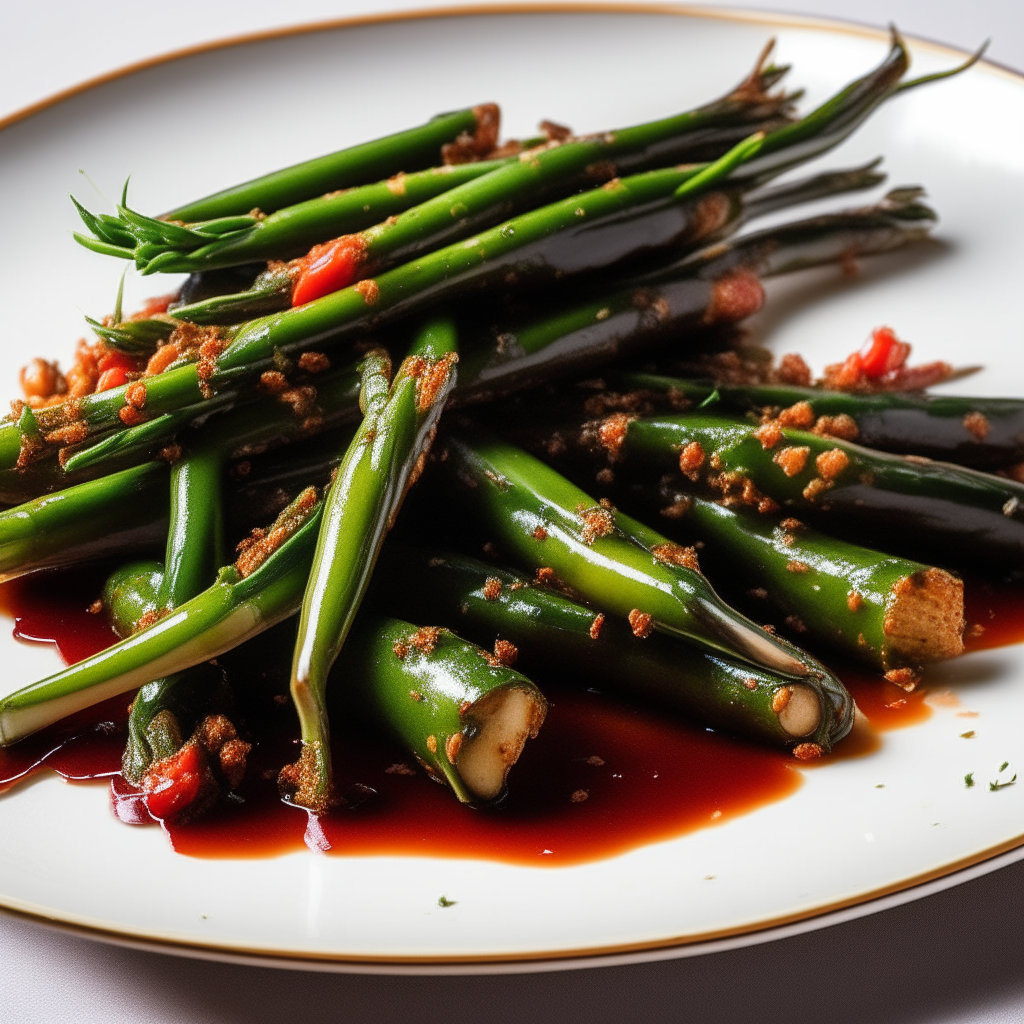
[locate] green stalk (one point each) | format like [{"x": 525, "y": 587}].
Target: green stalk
[
  {"x": 905, "y": 423},
  {"x": 612, "y": 560},
  {"x": 562, "y": 167},
  {"x": 555, "y": 633},
  {"x": 89, "y": 521},
  {"x": 409, "y": 150},
  {"x": 972, "y": 514},
  {"x": 464, "y": 717},
  {"x": 235, "y": 608},
  {"x": 195, "y": 538},
  {"x": 292, "y": 230},
  {"x": 380, "y": 464},
  {"x": 889, "y": 612},
  {"x": 544, "y": 244}
]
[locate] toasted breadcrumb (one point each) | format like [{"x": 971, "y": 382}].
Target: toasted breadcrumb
[
  {"x": 793, "y": 459},
  {"x": 641, "y": 623}
]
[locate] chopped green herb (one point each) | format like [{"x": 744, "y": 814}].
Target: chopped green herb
[
  {"x": 443, "y": 901},
  {"x": 967, "y": 735},
  {"x": 881, "y": 785},
  {"x": 1004, "y": 766},
  {"x": 969, "y": 779},
  {"x": 993, "y": 786}
]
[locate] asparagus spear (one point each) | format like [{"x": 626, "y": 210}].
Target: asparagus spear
[
  {"x": 156, "y": 245},
  {"x": 616, "y": 562},
  {"x": 979, "y": 432},
  {"x": 577, "y": 159},
  {"x": 408, "y": 150},
  {"x": 836, "y": 481},
  {"x": 456, "y": 268},
  {"x": 551, "y": 632},
  {"x": 262, "y": 588},
  {"x": 381, "y": 463}
]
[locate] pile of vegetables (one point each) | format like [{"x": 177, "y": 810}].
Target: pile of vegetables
[{"x": 500, "y": 280}]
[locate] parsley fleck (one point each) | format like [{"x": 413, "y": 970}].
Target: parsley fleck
[
  {"x": 443, "y": 901},
  {"x": 993, "y": 786},
  {"x": 969, "y": 779},
  {"x": 1004, "y": 766},
  {"x": 967, "y": 735}
]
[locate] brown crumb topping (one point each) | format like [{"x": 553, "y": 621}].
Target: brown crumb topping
[
  {"x": 598, "y": 521},
  {"x": 691, "y": 458},
  {"x": 641, "y": 623},
  {"x": 314, "y": 362},
  {"x": 800, "y": 415},
  {"x": 976, "y": 424},
  {"x": 492, "y": 588},
  {"x": 595, "y": 626},
  {"x": 506, "y": 652},
  {"x": 807, "y": 751},
  {"x": 452, "y": 746},
  {"x": 795, "y": 566},
  {"x": 425, "y": 639},
  {"x": 854, "y": 600},
  {"x": 612, "y": 433},
  {"x": 816, "y": 488},
  {"x": 841, "y": 427},
  {"x": 792, "y": 459},
  {"x": 432, "y": 743},
  {"x": 261, "y": 544},
  {"x": 368, "y": 289},
  {"x": 540, "y": 533},
  {"x": 769, "y": 434},
  {"x": 832, "y": 463},
  {"x": 905, "y": 678},
  {"x": 781, "y": 698},
  {"x": 676, "y": 554},
  {"x": 579, "y": 795}
]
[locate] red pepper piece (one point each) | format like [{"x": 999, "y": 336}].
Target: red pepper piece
[
  {"x": 883, "y": 353},
  {"x": 112, "y": 378},
  {"x": 175, "y": 782},
  {"x": 328, "y": 268},
  {"x": 113, "y": 358}
]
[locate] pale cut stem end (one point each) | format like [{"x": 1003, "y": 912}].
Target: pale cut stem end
[
  {"x": 500, "y": 724},
  {"x": 800, "y": 711},
  {"x": 924, "y": 617}
]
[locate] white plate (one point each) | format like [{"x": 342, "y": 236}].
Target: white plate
[{"x": 202, "y": 121}]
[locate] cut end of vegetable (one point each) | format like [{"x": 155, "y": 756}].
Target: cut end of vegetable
[
  {"x": 924, "y": 617},
  {"x": 801, "y": 711},
  {"x": 504, "y": 720}
]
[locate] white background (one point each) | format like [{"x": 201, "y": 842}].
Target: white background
[{"x": 951, "y": 957}]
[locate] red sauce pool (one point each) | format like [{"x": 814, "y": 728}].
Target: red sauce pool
[{"x": 644, "y": 778}]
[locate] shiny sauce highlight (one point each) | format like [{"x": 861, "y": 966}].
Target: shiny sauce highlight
[{"x": 603, "y": 776}]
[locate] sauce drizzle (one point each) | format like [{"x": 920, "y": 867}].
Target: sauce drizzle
[{"x": 602, "y": 777}]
